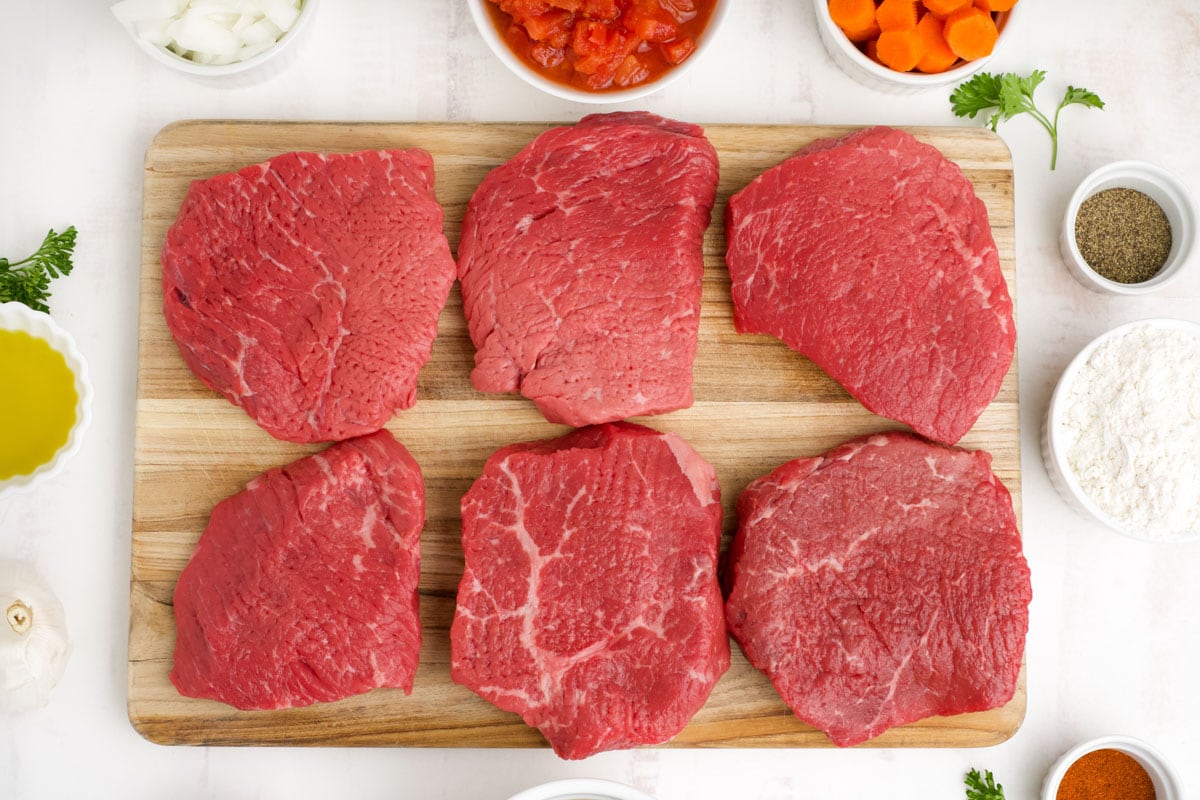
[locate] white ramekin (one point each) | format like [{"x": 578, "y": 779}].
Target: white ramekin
[
  {"x": 581, "y": 789},
  {"x": 19, "y": 317},
  {"x": 180, "y": 64},
  {"x": 483, "y": 22},
  {"x": 876, "y": 76},
  {"x": 1164, "y": 189},
  {"x": 1054, "y": 444},
  {"x": 1167, "y": 783}
]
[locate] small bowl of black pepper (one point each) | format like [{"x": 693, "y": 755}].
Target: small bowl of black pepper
[{"x": 1130, "y": 228}]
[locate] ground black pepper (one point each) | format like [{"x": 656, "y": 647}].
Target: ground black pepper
[{"x": 1123, "y": 235}]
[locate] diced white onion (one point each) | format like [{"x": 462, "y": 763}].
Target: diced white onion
[
  {"x": 260, "y": 32},
  {"x": 204, "y": 36},
  {"x": 210, "y": 31},
  {"x": 154, "y": 31},
  {"x": 282, "y": 12}
]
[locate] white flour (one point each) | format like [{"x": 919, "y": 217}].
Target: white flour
[{"x": 1132, "y": 420}]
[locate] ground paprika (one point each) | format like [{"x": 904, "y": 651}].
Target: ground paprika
[{"x": 1106, "y": 775}]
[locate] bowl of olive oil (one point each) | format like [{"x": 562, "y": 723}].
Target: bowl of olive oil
[{"x": 45, "y": 397}]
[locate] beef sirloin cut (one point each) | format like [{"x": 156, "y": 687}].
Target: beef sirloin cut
[
  {"x": 872, "y": 256},
  {"x": 589, "y": 604},
  {"x": 303, "y": 587},
  {"x": 880, "y": 584},
  {"x": 581, "y": 268},
  {"x": 307, "y": 289}
]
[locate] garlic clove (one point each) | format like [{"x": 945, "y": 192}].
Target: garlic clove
[{"x": 33, "y": 638}]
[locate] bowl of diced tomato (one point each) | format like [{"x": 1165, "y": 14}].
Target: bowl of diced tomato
[
  {"x": 910, "y": 45},
  {"x": 598, "y": 51}
]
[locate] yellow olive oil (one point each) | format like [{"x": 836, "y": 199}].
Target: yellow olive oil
[{"x": 37, "y": 403}]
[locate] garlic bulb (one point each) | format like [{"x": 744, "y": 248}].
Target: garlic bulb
[{"x": 33, "y": 638}]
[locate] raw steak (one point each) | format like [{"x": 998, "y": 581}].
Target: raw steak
[
  {"x": 589, "y": 604},
  {"x": 307, "y": 289},
  {"x": 872, "y": 256},
  {"x": 581, "y": 266},
  {"x": 303, "y": 588},
  {"x": 880, "y": 584}
]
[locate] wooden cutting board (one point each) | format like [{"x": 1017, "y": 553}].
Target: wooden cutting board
[{"x": 757, "y": 405}]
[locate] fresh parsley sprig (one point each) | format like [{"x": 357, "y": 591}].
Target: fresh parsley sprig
[
  {"x": 983, "y": 787},
  {"x": 1009, "y": 94},
  {"x": 28, "y": 280}
]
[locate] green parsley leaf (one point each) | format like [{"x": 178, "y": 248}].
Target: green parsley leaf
[
  {"x": 983, "y": 787},
  {"x": 28, "y": 280},
  {"x": 1081, "y": 97},
  {"x": 1008, "y": 94},
  {"x": 979, "y": 94}
]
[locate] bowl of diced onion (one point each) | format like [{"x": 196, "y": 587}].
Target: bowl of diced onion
[{"x": 214, "y": 37}]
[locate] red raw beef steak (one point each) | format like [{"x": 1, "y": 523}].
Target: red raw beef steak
[
  {"x": 303, "y": 588},
  {"x": 581, "y": 264},
  {"x": 307, "y": 289},
  {"x": 872, "y": 256},
  {"x": 589, "y": 604},
  {"x": 881, "y": 583}
]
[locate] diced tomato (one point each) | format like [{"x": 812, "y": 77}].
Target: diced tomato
[
  {"x": 547, "y": 55},
  {"x": 543, "y": 27},
  {"x": 651, "y": 25},
  {"x": 589, "y": 38},
  {"x": 602, "y": 10},
  {"x": 520, "y": 9},
  {"x": 631, "y": 72},
  {"x": 682, "y": 10},
  {"x": 678, "y": 51},
  {"x": 517, "y": 37},
  {"x": 599, "y": 52}
]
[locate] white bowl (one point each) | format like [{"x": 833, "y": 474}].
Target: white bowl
[
  {"x": 1167, "y": 783},
  {"x": 581, "y": 789},
  {"x": 483, "y": 22},
  {"x": 19, "y": 317},
  {"x": 876, "y": 76},
  {"x": 1055, "y": 445},
  {"x": 308, "y": 10},
  {"x": 1171, "y": 195}
]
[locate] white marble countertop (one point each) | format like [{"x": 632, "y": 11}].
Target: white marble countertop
[{"x": 1115, "y": 631}]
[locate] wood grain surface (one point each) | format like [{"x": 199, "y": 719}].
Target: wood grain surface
[{"x": 758, "y": 405}]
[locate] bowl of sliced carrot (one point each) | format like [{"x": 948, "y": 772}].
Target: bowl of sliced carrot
[{"x": 903, "y": 46}]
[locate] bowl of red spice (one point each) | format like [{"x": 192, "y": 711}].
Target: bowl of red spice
[
  {"x": 906, "y": 46},
  {"x": 599, "y": 51},
  {"x": 1112, "y": 768},
  {"x": 1129, "y": 228}
]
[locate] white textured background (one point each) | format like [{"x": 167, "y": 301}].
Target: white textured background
[{"x": 1115, "y": 635}]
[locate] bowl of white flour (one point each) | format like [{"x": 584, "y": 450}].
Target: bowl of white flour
[{"x": 1121, "y": 439}]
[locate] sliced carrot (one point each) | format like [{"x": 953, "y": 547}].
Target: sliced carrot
[
  {"x": 873, "y": 50},
  {"x": 971, "y": 33},
  {"x": 897, "y": 15},
  {"x": 866, "y": 34},
  {"x": 938, "y": 57},
  {"x": 944, "y": 8},
  {"x": 995, "y": 5},
  {"x": 852, "y": 15},
  {"x": 900, "y": 50}
]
